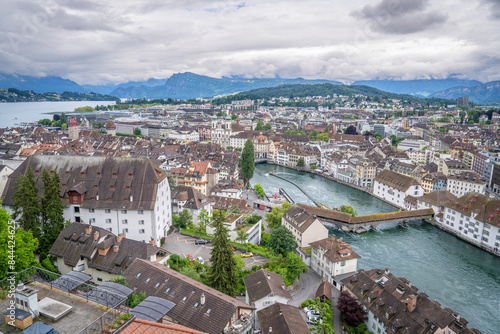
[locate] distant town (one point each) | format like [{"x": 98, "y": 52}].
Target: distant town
[{"x": 141, "y": 215}]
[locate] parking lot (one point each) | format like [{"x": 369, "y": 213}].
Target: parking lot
[{"x": 183, "y": 245}]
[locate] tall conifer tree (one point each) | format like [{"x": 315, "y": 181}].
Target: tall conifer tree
[
  {"x": 223, "y": 273},
  {"x": 25, "y": 204},
  {"x": 248, "y": 161},
  {"x": 52, "y": 210}
]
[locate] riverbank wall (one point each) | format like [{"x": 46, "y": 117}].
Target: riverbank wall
[{"x": 433, "y": 222}]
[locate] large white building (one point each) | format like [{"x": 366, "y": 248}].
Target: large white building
[
  {"x": 121, "y": 195},
  {"x": 394, "y": 187},
  {"x": 333, "y": 259},
  {"x": 305, "y": 227},
  {"x": 465, "y": 182},
  {"x": 473, "y": 217}
]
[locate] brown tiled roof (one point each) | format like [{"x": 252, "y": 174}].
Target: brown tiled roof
[
  {"x": 334, "y": 249},
  {"x": 467, "y": 177},
  {"x": 121, "y": 183},
  {"x": 283, "y": 319},
  {"x": 480, "y": 206},
  {"x": 157, "y": 280},
  {"x": 299, "y": 217},
  {"x": 195, "y": 199},
  {"x": 263, "y": 283},
  {"x": 396, "y": 180},
  {"x": 439, "y": 197},
  {"x": 139, "y": 326},
  {"x": 324, "y": 289},
  {"x": 385, "y": 294},
  {"x": 77, "y": 240},
  {"x": 326, "y": 213},
  {"x": 392, "y": 215}
]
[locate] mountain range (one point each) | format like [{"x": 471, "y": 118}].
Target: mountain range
[
  {"x": 421, "y": 88},
  {"x": 189, "y": 85},
  {"x": 487, "y": 93}
]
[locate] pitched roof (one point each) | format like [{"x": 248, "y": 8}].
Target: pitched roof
[
  {"x": 83, "y": 240},
  {"x": 439, "y": 197},
  {"x": 324, "y": 289},
  {"x": 482, "y": 207},
  {"x": 283, "y": 319},
  {"x": 195, "y": 199},
  {"x": 335, "y": 250},
  {"x": 396, "y": 180},
  {"x": 327, "y": 213},
  {"x": 263, "y": 283},
  {"x": 385, "y": 295},
  {"x": 157, "y": 280},
  {"x": 121, "y": 183},
  {"x": 299, "y": 217},
  {"x": 139, "y": 326}
]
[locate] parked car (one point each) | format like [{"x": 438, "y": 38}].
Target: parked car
[
  {"x": 200, "y": 260},
  {"x": 191, "y": 257},
  {"x": 314, "y": 319},
  {"x": 246, "y": 254},
  {"x": 201, "y": 242}
]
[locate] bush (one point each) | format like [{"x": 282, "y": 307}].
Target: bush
[
  {"x": 48, "y": 265},
  {"x": 42, "y": 257}
]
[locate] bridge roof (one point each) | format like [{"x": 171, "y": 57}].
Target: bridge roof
[
  {"x": 327, "y": 213},
  {"x": 392, "y": 215}
]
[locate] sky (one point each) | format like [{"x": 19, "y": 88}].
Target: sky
[{"x": 110, "y": 41}]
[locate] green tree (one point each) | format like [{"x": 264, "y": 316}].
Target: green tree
[
  {"x": 24, "y": 249},
  {"x": 51, "y": 210},
  {"x": 223, "y": 273},
  {"x": 313, "y": 167},
  {"x": 120, "y": 280},
  {"x": 248, "y": 161},
  {"x": 378, "y": 136},
  {"x": 26, "y": 211},
  {"x": 264, "y": 240},
  {"x": 190, "y": 271},
  {"x": 260, "y": 191},
  {"x": 268, "y": 126},
  {"x": 63, "y": 119},
  {"x": 234, "y": 117},
  {"x": 203, "y": 221},
  {"x": 171, "y": 182},
  {"x": 300, "y": 162},
  {"x": 273, "y": 218},
  {"x": 313, "y": 135},
  {"x": 235, "y": 209},
  {"x": 323, "y": 137},
  {"x": 282, "y": 241},
  {"x": 260, "y": 125},
  {"x": 294, "y": 267},
  {"x": 183, "y": 219},
  {"x": 348, "y": 209},
  {"x": 242, "y": 236},
  {"x": 137, "y": 131}
]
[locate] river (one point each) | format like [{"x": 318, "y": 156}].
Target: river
[
  {"x": 456, "y": 274},
  {"x": 11, "y": 114}
]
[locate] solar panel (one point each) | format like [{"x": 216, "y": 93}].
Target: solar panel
[
  {"x": 152, "y": 308},
  {"x": 109, "y": 294},
  {"x": 71, "y": 281}
]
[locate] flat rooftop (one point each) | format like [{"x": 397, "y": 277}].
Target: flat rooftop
[{"x": 82, "y": 314}]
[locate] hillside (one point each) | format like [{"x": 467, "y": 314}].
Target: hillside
[
  {"x": 324, "y": 90},
  {"x": 422, "y": 88},
  {"x": 485, "y": 93},
  {"x": 44, "y": 84},
  {"x": 189, "y": 85}
]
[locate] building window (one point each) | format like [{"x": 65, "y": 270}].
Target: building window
[
  {"x": 124, "y": 221},
  {"x": 124, "y": 230},
  {"x": 99, "y": 279},
  {"x": 92, "y": 220},
  {"x": 78, "y": 219},
  {"x": 124, "y": 212},
  {"x": 108, "y": 221},
  {"x": 141, "y": 222},
  {"x": 77, "y": 209},
  {"x": 141, "y": 231},
  {"x": 140, "y": 212},
  {"x": 91, "y": 210},
  {"x": 107, "y": 211}
]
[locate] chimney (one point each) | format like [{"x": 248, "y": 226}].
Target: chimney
[
  {"x": 152, "y": 242},
  {"x": 131, "y": 198},
  {"x": 283, "y": 286},
  {"x": 96, "y": 235},
  {"x": 120, "y": 237},
  {"x": 115, "y": 248},
  {"x": 88, "y": 230},
  {"x": 202, "y": 299},
  {"x": 268, "y": 276},
  {"x": 281, "y": 312},
  {"x": 387, "y": 271},
  {"x": 412, "y": 303},
  {"x": 270, "y": 329}
]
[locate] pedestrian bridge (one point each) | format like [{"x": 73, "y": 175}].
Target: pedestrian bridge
[{"x": 347, "y": 222}]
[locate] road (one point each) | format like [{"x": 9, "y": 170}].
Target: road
[
  {"x": 306, "y": 288},
  {"x": 183, "y": 245}
]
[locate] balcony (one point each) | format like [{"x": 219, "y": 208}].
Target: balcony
[{"x": 242, "y": 325}]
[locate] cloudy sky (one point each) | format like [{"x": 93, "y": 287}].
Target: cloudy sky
[{"x": 110, "y": 41}]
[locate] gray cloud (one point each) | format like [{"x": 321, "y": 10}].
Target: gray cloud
[
  {"x": 120, "y": 40},
  {"x": 400, "y": 16}
]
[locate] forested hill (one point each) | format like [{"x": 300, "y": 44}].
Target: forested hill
[
  {"x": 16, "y": 95},
  {"x": 325, "y": 90}
]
